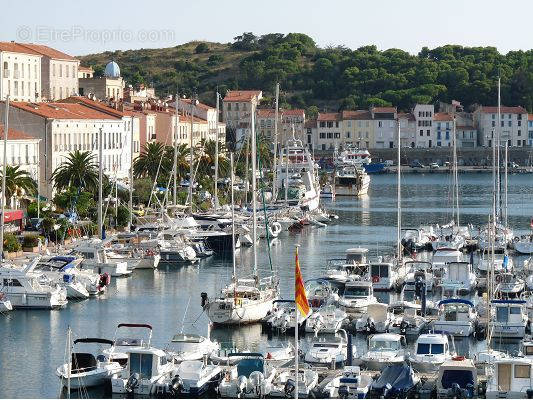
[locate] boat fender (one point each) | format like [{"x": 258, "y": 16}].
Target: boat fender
[
  {"x": 105, "y": 280},
  {"x": 458, "y": 358},
  {"x": 375, "y": 279},
  {"x": 204, "y": 297},
  {"x": 516, "y": 239},
  {"x": 289, "y": 388}
]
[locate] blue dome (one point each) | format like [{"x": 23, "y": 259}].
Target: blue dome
[{"x": 112, "y": 70}]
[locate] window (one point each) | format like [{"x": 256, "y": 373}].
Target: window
[
  {"x": 502, "y": 124},
  {"x": 519, "y": 133},
  {"x": 66, "y": 71},
  {"x": 141, "y": 364},
  {"x": 522, "y": 371},
  {"x": 330, "y": 135},
  {"x": 347, "y": 135},
  {"x": 12, "y": 282},
  {"x": 428, "y": 132},
  {"x": 337, "y": 135},
  {"x": 493, "y": 116},
  {"x": 53, "y": 70},
  {"x": 510, "y": 123},
  {"x": 60, "y": 70},
  {"x": 493, "y": 124},
  {"x": 349, "y": 124},
  {"x": 323, "y": 147},
  {"x": 421, "y": 132},
  {"x": 380, "y": 124}
]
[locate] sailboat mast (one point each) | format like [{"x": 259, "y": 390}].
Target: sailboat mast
[
  {"x": 69, "y": 361},
  {"x": 399, "y": 197},
  {"x": 275, "y": 144},
  {"x": 254, "y": 188},
  {"x": 286, "y": 171},
  {"x": 100, "y": 177},
  {"x": 505, "y": 185},
  {"x": 233, "y": 259},
  {"x": 498, "y": 138},
  {"x": 216, "y": 151},
  {"x": 191, "y": 152},
  {"x": 455, "y": 176},
  {"x": 130, "y": 200},
  {"x": 175, "y": 161},
  {"x": 4, "y": 168}
]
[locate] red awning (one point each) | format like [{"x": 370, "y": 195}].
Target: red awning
[{"x": 13, "y": 215}]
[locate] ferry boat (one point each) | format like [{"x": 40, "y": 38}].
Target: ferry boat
[
  {"x": 351, "y": 180},
  {"x": 297, "y": 180}
]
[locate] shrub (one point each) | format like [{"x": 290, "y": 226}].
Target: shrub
[
  {"x": 201, "y": 48},
  {"x": 11, "y": 243},
  {"x": 30, "y": 241}
]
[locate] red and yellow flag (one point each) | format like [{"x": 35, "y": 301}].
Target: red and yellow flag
[{"x": 299, "y": 290}]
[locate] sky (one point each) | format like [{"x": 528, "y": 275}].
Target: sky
[{"x": 79, "y": 27}]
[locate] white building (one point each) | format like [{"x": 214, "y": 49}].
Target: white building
[
  {"x": 20, "y": 72},
  {"x": 69, "y": 126},
  {"x": 530, "y": 129},
  {"x": 513, "y": 125},
  {"x": 237, "y": 108},
  {"x": 443, "y": 124},
  {"x": 425, "y": 137},
  {"x": 385, "y": 127},
  {"x": 407, "y": 129}
]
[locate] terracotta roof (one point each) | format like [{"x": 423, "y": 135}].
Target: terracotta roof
[
  {"x": 443, "y": 117},
  {"x": 409, "y": 116},
  {"x": 62, "y": 110},
  {"x": 48, "y": 51},
  {"x": 93, "y": 104},
  {"x": 384, "y": 109},
  {"x": 86, "y": 69},
  {"x": 295, "y": 112},
  {"x": 329, "y": 116},
  {"x": 267, "y": 113},
  {"x": 17, "y": 48},
  {"x": 199, "y": 105},
  {"x": 504, "y": 110},
  {"x": 242, "y": 95},
  {"x": 16, "y": 135},
  {"x": 310, "y": 123},
  {"x": 356, "y": 114}
]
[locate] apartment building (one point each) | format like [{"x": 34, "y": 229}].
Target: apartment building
[
  {"x": 85, "y": 72},
  {"x": 424, "y": 114},
  {"x": 357, "y": 129},
  {"x": 530, "y": 129},
  {"x": 511, "y": 129},
  {"x": 108, "y": 87},
  {"x": 59, "y": 72},
  {"x": 20, "y": 72},
  {"x": 443, "y": 124},
  {"x": 207, "y": 113},
  {"x": 237, "y": 108},
  {"x": 407, "y": 129},
  {"x": 385, "y": 127},
  {"x": 63, "y": 127},
  {"x": 287, "y": 121},
  {"x": 329, "y": 128}
]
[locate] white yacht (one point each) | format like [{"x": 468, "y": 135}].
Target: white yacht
[
  {"x": 187, "y": 347},
  {"x": 384, "y": 349},
  {"x": 331, "y": 350},
  {"x": 457, "y": 317},
  {"x": 353, "y": 266},
  {"x": 350, "y": 384},
  {"x": 459, "y": 278},
  {"x": 282, "y": 317},
  {"x": 524, "y": 244},
  {"x": 414, "y": 239},
  {"x": 419, "y": 270},
  {"x": 194, "y": 378},
  {"x": 351, "y": 180},
  {"x": 354, "y": 156},
  {"x": 431, "y": 350},
  {"x": 411, "y": 322},
  {"x": 510, "y": 378},
  {"x": 376, "y": 319},
  {"x": 26, "y": 288},
  {"x": 385, "y": 275},
  {"x": 443, "y": 256},
  {"x": 356, "y": 296},
  {"x": 509, "y": 318},
  {"x": 251, "y": 377},
  {"x": 95, "y": 259},
  {"x": 124, "y": 341},
  {"x": 328, "y": 319},
  {"x": 85, "y": 370},
  {"x": 284, "y": 384},
  {"x": 457, "y": 378},
  {"x": 504, "y": 237},
  {"x": 509, "y": 284}
]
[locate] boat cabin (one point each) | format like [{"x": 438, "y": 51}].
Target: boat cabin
[
  {"x": 457, "y": 371},
  {"x": 432, "y": 343},
  {"x": 147, "y": 362},
  {"x": 357, "y": 290},
  {"x": 509, "y": 318},
  {"x": 511, "y": 378},
  {"x": 443, "y": 256},
  {"x": 382, "y": 274},
  {"x": 356, "y": 255}
]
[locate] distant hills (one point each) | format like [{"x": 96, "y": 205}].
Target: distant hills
[{"x": 329, "y": 78}]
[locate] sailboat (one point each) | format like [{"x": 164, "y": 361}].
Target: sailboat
[{"x": 244, "y": 300}]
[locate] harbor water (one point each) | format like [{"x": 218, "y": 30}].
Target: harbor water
[{"x": 33, "y": 342}]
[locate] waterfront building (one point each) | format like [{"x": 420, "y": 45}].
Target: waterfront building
[
  {"x": 74, "y": 124},
  {"x": 59, "y": 72},
  {"x": 425, "y": 137},
  {"x": 407, "y": 129},
  {"x": 237, "y": 107},
  {"x": 530, "y": 129},
  {"x": 512, "y": 127},
  {"x": 287, "y": 119},
  {"x": 20, "y": 72},
  {"x": 310, "y": 132},
  {"x": 139, "y": 93},
  {"x": 385, "y": 127},
  {"x": 108, "y": 87},
  {"x": 329, "y": 126},
  {"x": 443, "y": 123},
  {"x": 358, "y": 129},
  {"x": 85, "y": 72}
]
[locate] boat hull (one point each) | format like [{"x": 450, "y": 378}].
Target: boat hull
[{"x": 245, "y": 314}]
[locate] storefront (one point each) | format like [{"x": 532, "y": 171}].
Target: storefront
[{"x": 13, "y": 221}]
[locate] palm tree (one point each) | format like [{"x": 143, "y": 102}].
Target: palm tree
[
  {"x": 207, "y": 150},
  {"x": 18, "y": 180},
  {"x": 182, "y": 159},
  {"x": 79, "y": 170},
  {"x": 147, "y": 164}
]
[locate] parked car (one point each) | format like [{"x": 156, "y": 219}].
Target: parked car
[
  {"x": 416, "y": 164},
  {"x": 434, "y": 165}
]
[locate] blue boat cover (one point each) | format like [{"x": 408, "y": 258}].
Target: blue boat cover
[
  {"x": 399, "y": 376},
  {"x": 451, "y": 301}
]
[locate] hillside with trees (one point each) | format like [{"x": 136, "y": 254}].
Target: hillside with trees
[{"x": 331, "y": 78}]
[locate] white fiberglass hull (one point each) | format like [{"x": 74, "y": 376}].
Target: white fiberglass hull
[
  {"x": 5, "y": 305},
  {"x": 524, "y": 247},
  {"x": 48, "y": 300},
  {"x": 455, "y": 328},
  {"x": 251, "y": 312},
  {"x": 76, "y": 290}
]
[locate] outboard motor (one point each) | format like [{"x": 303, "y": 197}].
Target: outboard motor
[
  {"x": 204, "y": 299},
  {"x": 132, "y": 383},
  {"x": 256, "y": 383},
  {"x": 176, "y": 385},
  {"x": 370, "y": 325},
  {"x": 344, "y": 392},
  {"x": 241, "y": 386},
  {"x": 455, "y": 391},
  {"x": 403, "y": 327},
  {"x": 420, "y": 292},
  {"x": 289, "y": 388},
  {"x": 470, "y": 391},
  {"x": 349, "y": 351}
]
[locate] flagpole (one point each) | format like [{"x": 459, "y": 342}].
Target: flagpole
[{"x": 296, "y": 334}]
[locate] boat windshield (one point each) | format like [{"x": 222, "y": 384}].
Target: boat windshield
[
  {"x": 427, "y": 348},
  {"x": 128, "y": 342},
  {"x": 325, "y": 345},
  {"x": 356, "y": 291},
  {"x": 384, "y": 345},
  {"x": 142, "y": 364},
  {"x": 249, "y": 365}
]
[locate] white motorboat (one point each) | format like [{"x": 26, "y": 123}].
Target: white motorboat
[
  {"x": 377, "y": 319},
  {"x": 431, "y": 350},
  {"x": 457, "y": 378},
  {"x": 422, "y": 270},
  {"x": 250, "y": 378},
  {"x": 147, "y": 373},
  {"x": 443, "y": 256},
  {"x": 509, "y": 284},
  {"x": 284, "y": 384},
  {"x": 330, "y": 350},
  {"x": 95, "y": 259},
  {"x": 357, "y": 295},
  {"x": 351, "y": 180},
  {"x": 503, "y": 238},
  {"x": 279, "y": 354},
  {"x": 484, "y": 263},
  {"x": 5, "y": 304},
  {"x": 194, "y": 378},
  {"x": 384, "y": 275},
  {"x": 26, "y": 288},
  {"x": 459, "y": 278},
  {"x": 414, "y": 239},
  {"x": 328, "y": 319},
  {"x": 411, "y": 322},
  {"x": 457, "y": 317},
  {"x": 351, "y": 384},
  {"x": 353, "y": 266},
  {"x": 244, "y": 301},
  {"x": 384, "y": 349},
  {"x": 353, "y": 155},
  {"x": 524, "y": 244},
  {"x": 282, "y": 317},
  {"x": 509, "y": 318},
  {"x": 188, "y": 347},
  {"x": 510, "y": 378},
  {"x": 123, "y": 343},
  {"x": 85, "y": 370},
  {"x": 320, "y": 293}
]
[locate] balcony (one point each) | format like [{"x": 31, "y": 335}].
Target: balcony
[
  {"x": 6, "y": 73},
  {"x": 16, "y": 74}
]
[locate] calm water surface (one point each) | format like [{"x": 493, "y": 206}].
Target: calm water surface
[{"x": 32, "y": 343}]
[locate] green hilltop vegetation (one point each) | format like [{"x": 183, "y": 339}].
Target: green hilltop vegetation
[{"x": 331, "y": 78}]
